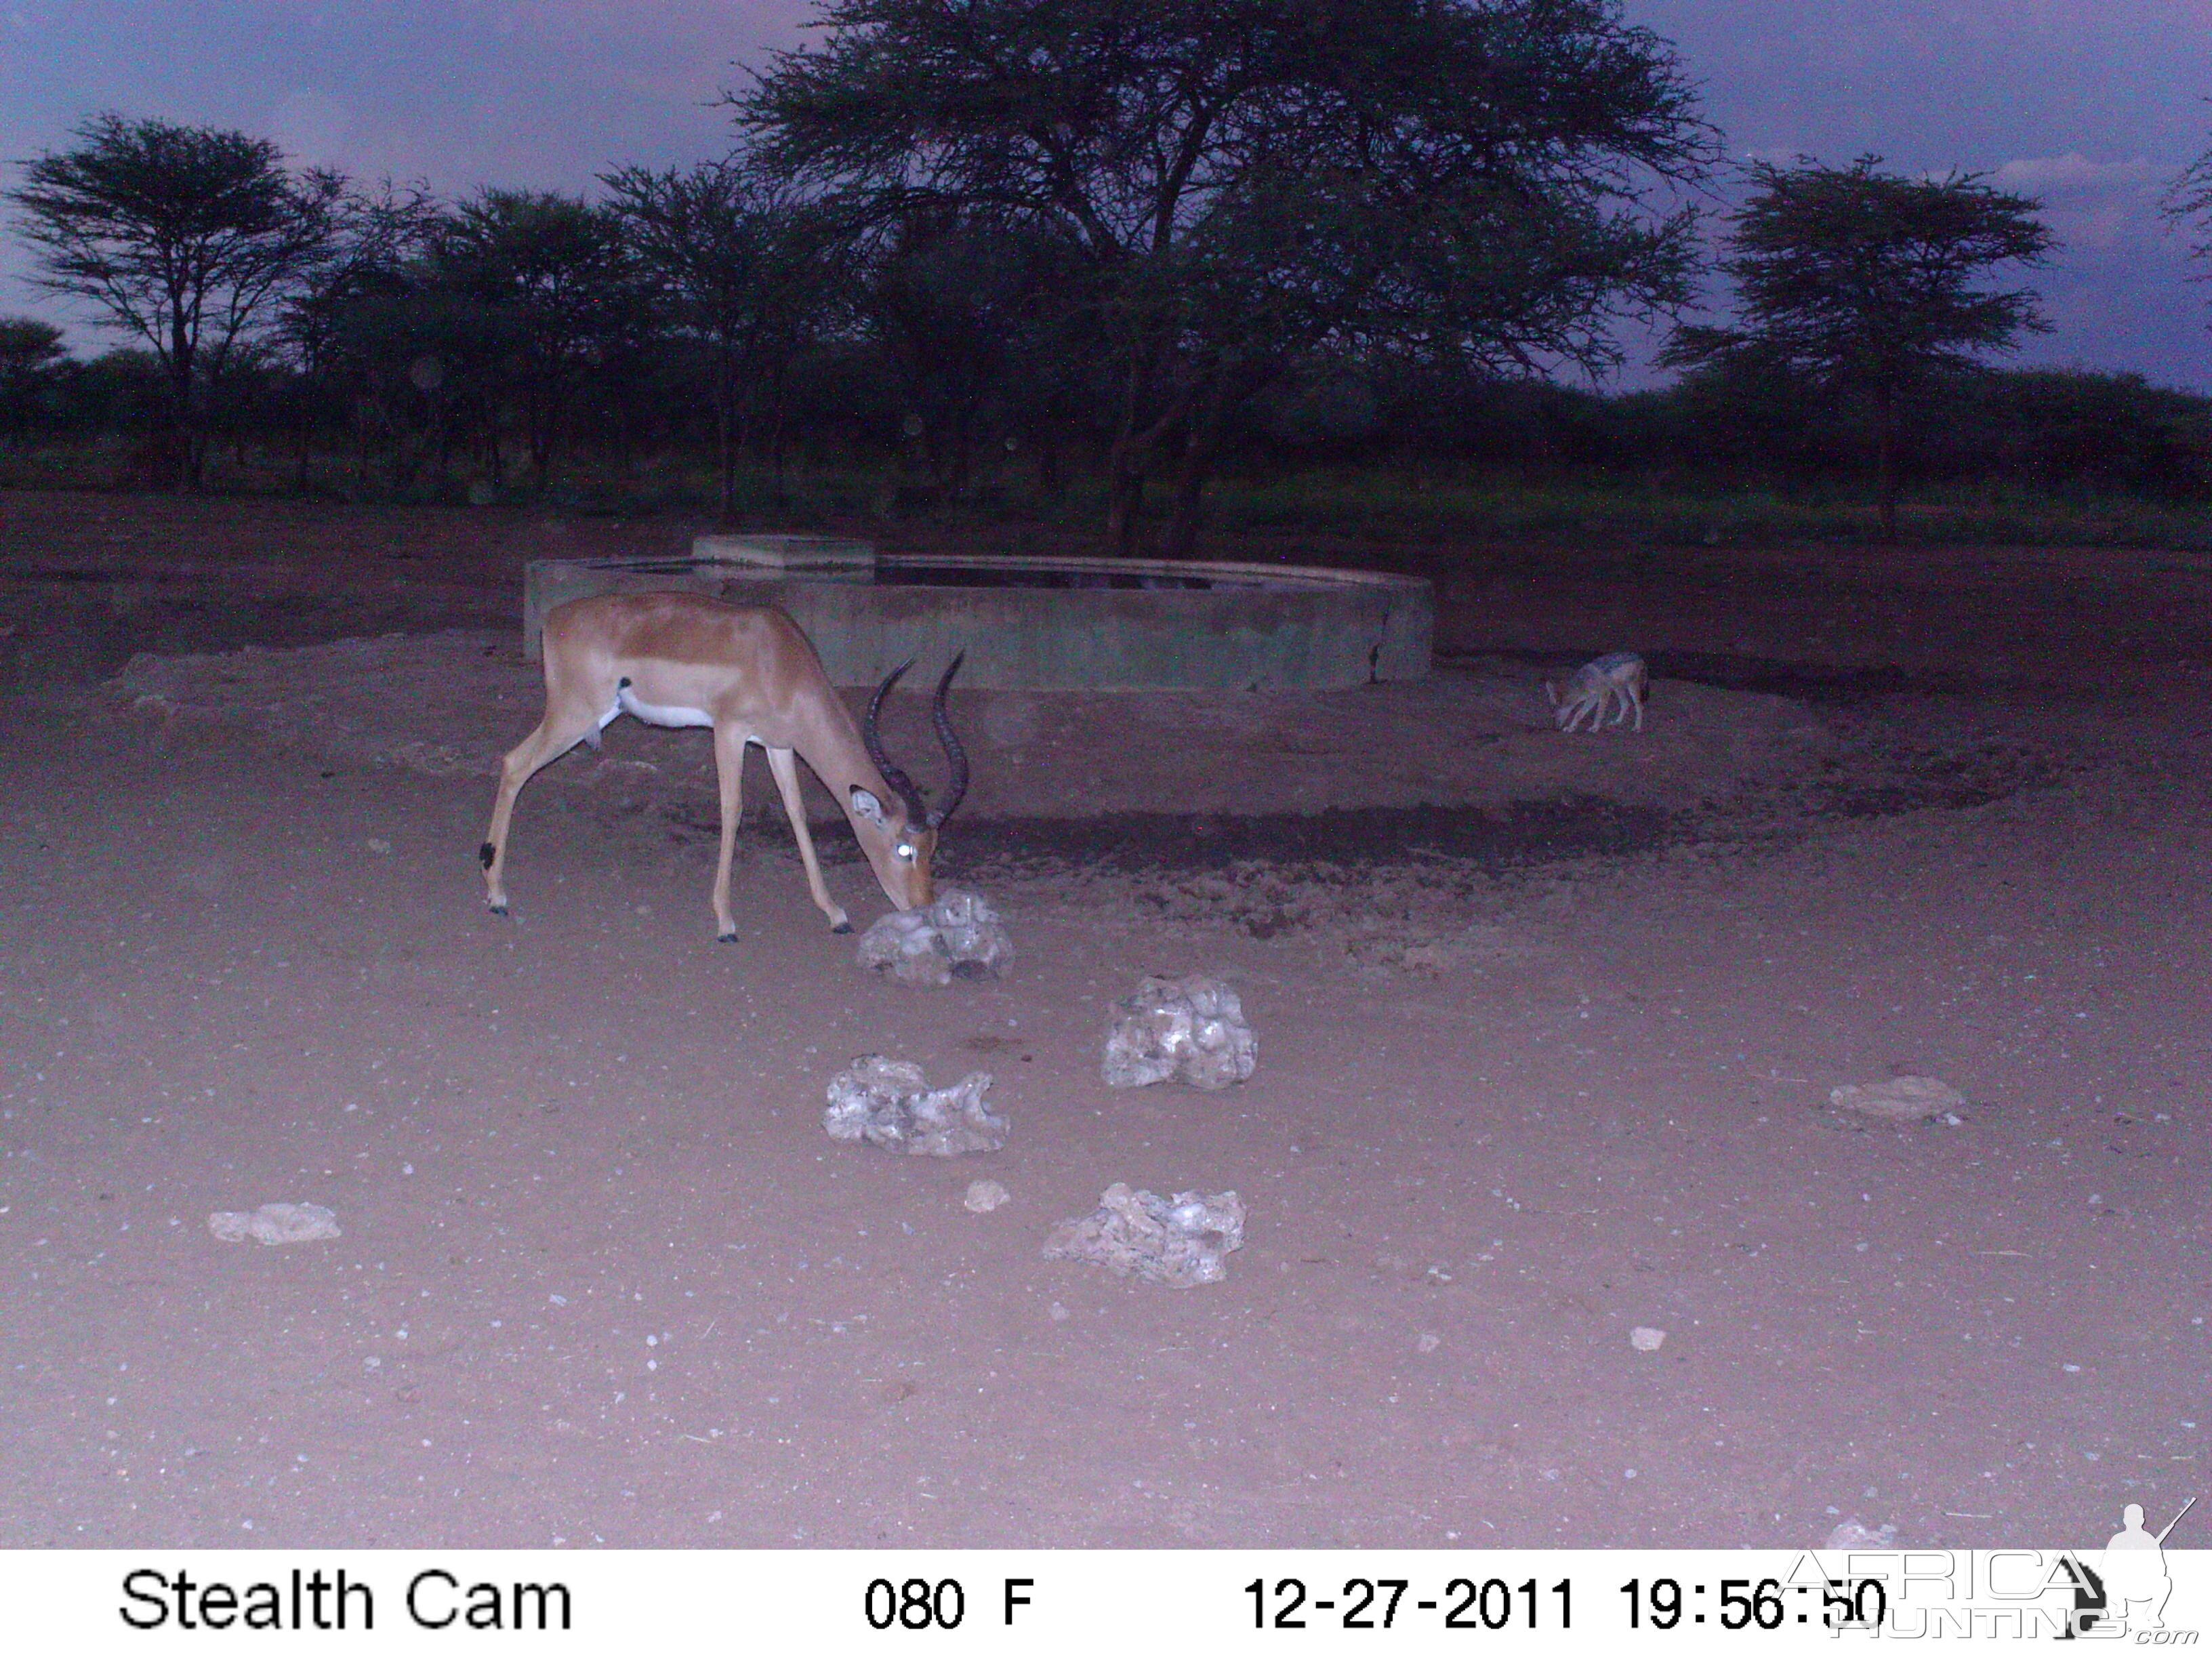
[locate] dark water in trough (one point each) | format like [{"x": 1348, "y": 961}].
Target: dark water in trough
[{"x": 891, "y": 572}]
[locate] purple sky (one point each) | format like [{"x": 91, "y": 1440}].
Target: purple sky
[{"x": 2091, "y": 105}]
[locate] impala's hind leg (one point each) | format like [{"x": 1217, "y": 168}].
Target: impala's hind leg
[
  {"x": 785, "y": 766},
  {"x": 729, "y": 778},
  {"x": 562, "y": 729}
]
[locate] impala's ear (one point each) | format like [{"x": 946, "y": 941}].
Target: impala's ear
[{"x": 867, "y": 807}]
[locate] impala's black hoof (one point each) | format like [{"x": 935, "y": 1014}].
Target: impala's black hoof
[
  {"x": 726, "y": 938},
  {"x": 499, "y": 910},
  {"x": 842, "y": 927}
]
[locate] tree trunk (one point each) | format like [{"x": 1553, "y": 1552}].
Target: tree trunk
[
  {"x": 776, "y": 439},
  {"x": 725, "y": 454},
  {"x": 1125, "y": 500},
  {"x": 1125, "y": 476},
  {"x": 1200, "y": 444},
  {"x": 181, "y": 368},
  {"x": 303, "y": 436},
  {"x": 541, "y": 452},
  {"x": 1189, "y": 495},
  {"x": 1885, "y": 459},
  {"x": 959, "y": 461},
  {"x": 1044, "y": 448}
]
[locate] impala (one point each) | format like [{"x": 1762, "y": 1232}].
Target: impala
[{"x": 752, "y": 675}]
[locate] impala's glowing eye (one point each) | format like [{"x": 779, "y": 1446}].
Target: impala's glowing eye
[{"x": 904, "y": 849}]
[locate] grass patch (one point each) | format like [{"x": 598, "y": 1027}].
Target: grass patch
[{"x": 1371, "y": 503}]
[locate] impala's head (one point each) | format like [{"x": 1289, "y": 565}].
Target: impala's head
[{"x": 900, "y": 837}]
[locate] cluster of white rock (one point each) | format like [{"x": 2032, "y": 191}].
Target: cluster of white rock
[
  {"x": 1192, "y": 1028},
  {"x": 889, "y": 1103},
  {"x": 957, "y": 936},
  {"x": 1180, "y": 1240}
]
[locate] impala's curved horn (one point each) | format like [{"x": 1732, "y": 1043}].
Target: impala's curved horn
[
  {"x": 871, "y": 740},
  {"x": 956, "y": 784}
]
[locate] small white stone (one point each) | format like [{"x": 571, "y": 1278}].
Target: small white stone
[
  {"x": 275, "y": 1224},
  {"x": 1644, "y": 1339},
  {"x": 1903, "y": 1099},
  {"x": 1856, "y": 1535},
  {"x": 984, "y": 1196}
]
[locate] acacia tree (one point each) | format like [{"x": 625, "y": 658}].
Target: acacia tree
[
  {"x": 555, "y": 272},
  {"x": 1871, "y": 283},
  {"x": 376, "y": 237},
  {"x": 187, "y": 238},
  {"x": 739, "y": 259},
  {"x": 970, "y": 321},
  {"x": 1251, "y": 181},
  {"x": 2187, "y": 206},
  {"x": 32, "y": 361}
]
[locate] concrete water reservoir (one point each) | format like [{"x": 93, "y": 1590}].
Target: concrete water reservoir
[{"x": 1041, "y": 623}]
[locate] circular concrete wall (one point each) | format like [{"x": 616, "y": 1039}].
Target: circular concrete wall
[{"x": 1044, "y": 623}]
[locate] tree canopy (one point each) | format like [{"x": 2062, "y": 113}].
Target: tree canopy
[
  {"x": 737, "y": 260},
  {"x": 557, "y": 274},
  {"x": 184, "y": 237},
  {"x": 33, "y": 360},
  {"x": 1871, "y": 282},
  {"x": 2187, "y": 206},
  {"x": 1246, "y": 182}
]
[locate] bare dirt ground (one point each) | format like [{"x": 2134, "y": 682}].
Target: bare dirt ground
[{"x": 1547, "y": 1028}]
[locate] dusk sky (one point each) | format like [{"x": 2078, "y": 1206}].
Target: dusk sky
[{"x": 2091, "y": 105}]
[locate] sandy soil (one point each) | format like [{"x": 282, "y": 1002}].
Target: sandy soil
[{"x": 1547, "y": 1028}]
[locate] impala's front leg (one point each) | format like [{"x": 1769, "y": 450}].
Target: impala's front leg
[
  {"x": 785, "y": 765},
  {"x": 729, "y": 777}
]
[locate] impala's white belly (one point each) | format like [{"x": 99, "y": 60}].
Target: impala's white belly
[{"x": 627, "y": 702}]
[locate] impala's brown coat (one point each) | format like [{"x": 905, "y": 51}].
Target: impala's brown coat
[{"x": 750, "y": 673}]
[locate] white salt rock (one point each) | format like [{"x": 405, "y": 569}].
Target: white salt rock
[
  {"x": 1180, "y": 1240},
  {"x": 1192, "y": 1028},
  {"x": 984, "y": 1196},
  {"x": 889, "y": 1103},
  {"x": 1902, "y": 1099},
  {"x": 957, "y": 936},
  {"x": 1856, "y": 1535},
  {"x": 275, "y": 1224}
]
